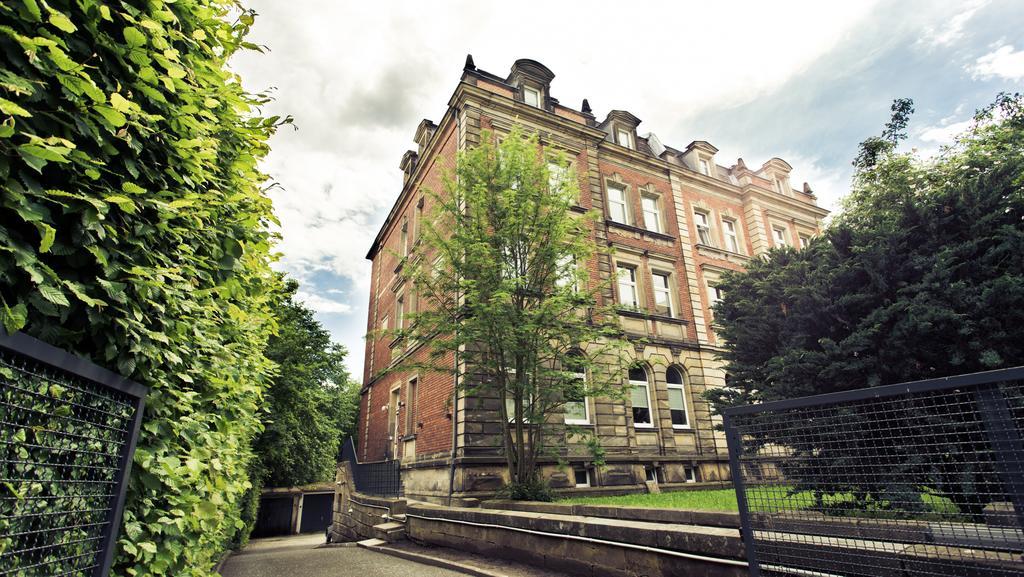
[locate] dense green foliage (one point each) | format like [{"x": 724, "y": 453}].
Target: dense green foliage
[
  {"x": 311, "y": 403},
  {"x": 133, "y": 230},
  {"x": 922, "y": 275},
  {"x": 497, "y": 283}
]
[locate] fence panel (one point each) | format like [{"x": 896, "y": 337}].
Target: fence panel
[
  {"x": 381, "y": 478},
  {"x": 67, "y": 433},
  {"x": 916, "y": 479}
]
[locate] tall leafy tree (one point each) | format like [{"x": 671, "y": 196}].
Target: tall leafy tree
[
  {"x": 502, "y": 284},
  {"x": 134, "y": 231},
  {"x": 311, "y": 404},
  {"x": 921, "y": 275}
]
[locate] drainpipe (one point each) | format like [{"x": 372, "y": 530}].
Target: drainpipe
[{"x": 455, "y": 388}]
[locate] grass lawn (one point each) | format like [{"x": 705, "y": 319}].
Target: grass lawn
[
  {"x": 772, "y": 498},
  {"x": 708, "y": 500}
]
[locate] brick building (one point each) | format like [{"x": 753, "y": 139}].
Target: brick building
[{"x": 677, "y": 220}]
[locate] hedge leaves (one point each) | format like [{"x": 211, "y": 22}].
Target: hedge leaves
[{"x": 134, "y": 230}]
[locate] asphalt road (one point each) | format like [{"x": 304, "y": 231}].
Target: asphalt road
[{"x": 298, "y": 556}]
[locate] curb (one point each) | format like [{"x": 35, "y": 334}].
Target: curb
[{"x": 434, "y": 561}]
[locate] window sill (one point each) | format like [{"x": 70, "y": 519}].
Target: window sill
[
  {"x": 645, "y": 427},
  {"x": 409, "y": 437},
  {"x": 682, "y": 428},
  {"x": 651, "y": 316},
  {"x": 721, "y": 253},
  {"x": 580, "y": 423},
  {"x": 578, "y": 208},
  {"x": 643, "y": 231}
]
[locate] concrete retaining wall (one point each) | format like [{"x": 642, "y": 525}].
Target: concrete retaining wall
[
  {"x": 674, "y": 516},
  {"x": 579, "y": 545}
]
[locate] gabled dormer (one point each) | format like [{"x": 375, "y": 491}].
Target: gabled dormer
[
  {"x": 776, "y": 172},
  {"x": 532, "y": 81},
  {"x": 699, "y": 156},
  {"x": 424, "y": 132},
  {"x": 620, "y": 126},
  {"x": 408, "y": 165}
]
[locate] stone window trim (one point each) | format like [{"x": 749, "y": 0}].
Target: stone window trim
[
  {"x": 611, "y": 182},
  {"x": 634, "y": 262},
  {"x": 780, "y": 234},
  {"x": 641, "y": 231},
  {"x": 666, "y": 275}
]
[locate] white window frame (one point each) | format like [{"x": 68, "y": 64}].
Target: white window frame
[
  {"x": 705, "y": 166},
  {"x": 652, "y": 217},
  {"x": 400, "y": 311},
  {"x": 780, "y": 235},
  {"x": 665, "y": 290},
  {"x": 715, "y": 294},
  {"x": 730, "y": 234},
  {"x": 582, "y": 375},
  {"x": 586, "y": 476},
  {"x": 804, "y": 241},
  {"x": 531, "y": 93},
  {"x": 650, "y": 408},
  {"x": 632, "y": 284},
  {"x": 628, "y": 134},
  {"x": 622, "y": 202},
  {"x": 682, "y": 391},
  {"x": 702, "y": 222},
  {"x": 563, "y": 281}
]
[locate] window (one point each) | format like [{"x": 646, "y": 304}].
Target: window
[
  {"x": 510, "y": 406},
  {"x": 581, "y": 475},
  {"x": 703, "y": 228},
  {"x": 624, "y": 137},
  {"x": 410, "y": 408},
  {"x": 566, "y": 272},
  {"x": 405, "y": 237},
  {"x": 677, "y": 398},
  {"x": 662, "y": 293},
  {"x": 715, "y": 294},
  {"x": 556, "y": 176},
  {"x": 400, "y": 312},
  {"x": 627, "y": 287},
  {"x": 732, "y": 242},
  {"x": 417, "y": 217},
  {"x": 781, "y": 187},
  {"x": 779, "y": 234},
  {"x": 640, "y": 397},
  {"x": 575, "y": 408},
  {"x": 652, "y": 214},
  {"x": 617, "y": 204},
  {"x": 531, "y": 96},
  {"x": 705, "y": 168},
  {"x": 385, "y": 322},
  {"x": 654, "y": 474},
  {"x": 689, "y": 475},
  {"x": 804, "y": 241}
]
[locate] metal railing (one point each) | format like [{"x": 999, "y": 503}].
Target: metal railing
[
  {"x": 916, "y": 479},
  {"x": 382, "y": 478},
  {"x": 67, "y": 434}
]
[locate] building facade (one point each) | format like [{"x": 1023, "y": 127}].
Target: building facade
[{"x": 676, "y": 219}]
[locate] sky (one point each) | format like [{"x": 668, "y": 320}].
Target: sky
[{"x": 803, "y": 81}]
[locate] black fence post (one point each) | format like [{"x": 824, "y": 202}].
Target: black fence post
[
  {"x": 735, "y": 442},
  {"x": 1005, "y": 436}
]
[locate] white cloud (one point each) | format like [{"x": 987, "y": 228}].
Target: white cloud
[
  {"x": 945, "y": 133},
  {"x": 1004, "y": 62},
  {"x": 322, "y": 304},
  {"x": 951, "y": 29}
]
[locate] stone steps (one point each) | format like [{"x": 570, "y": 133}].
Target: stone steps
[{"x": 390, "y": 532}]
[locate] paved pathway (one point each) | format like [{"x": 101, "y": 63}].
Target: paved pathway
[{"x": 299, "y": 556}]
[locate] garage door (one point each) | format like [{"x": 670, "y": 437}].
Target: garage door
[
  {"x": 316, "y": 513},
  {"x": 274, "y": 517}
]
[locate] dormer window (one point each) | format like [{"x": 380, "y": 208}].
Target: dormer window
[
  {"x": 531, "y": 96},
  {"x": 624, "y": 137},
  {"x": 705, "y": 168},
  {"x": 780, "y": 185}
]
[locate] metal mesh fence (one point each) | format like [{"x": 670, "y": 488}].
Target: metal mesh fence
[
  {"x": 918, "y": 479},
  {"x": 64, "y": 447},
  {"x": 383, "y": 478}
]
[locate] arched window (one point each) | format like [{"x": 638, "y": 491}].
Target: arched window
[
  {"x": 677, "y": 398},
  {"x": 641, "y": 398},
  {"x": 576, "y": 409}
]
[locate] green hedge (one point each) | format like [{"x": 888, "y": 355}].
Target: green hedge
[{"x": 134, "y": 230}]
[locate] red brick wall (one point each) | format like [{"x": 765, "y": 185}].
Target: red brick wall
[{"x": 373, "y": 420}]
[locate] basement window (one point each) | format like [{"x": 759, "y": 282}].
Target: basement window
[
  {"x": 654, "y": 474},
  {"x": 689, "y": 475},
  {"x": 581, "y": 474}
]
